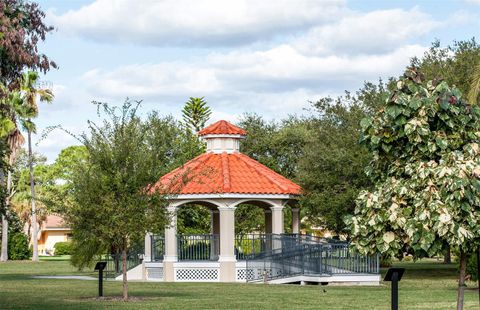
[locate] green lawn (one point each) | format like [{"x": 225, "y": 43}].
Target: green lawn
[{"x": 426, "y": 285}]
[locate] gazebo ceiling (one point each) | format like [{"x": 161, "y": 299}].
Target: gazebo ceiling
[{"x": 225, "y": 172}]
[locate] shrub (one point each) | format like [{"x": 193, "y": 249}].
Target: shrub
[
  {"x": 63, "y": 248},
  {"x": 18, "y": 248}
]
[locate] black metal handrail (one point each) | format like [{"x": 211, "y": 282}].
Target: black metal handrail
[
  {"x": 157, "y": 247},
  {"x": 114, "y": 261},
  {"x": 308, "y": 258},
  {"x": 198, "y": 247}
]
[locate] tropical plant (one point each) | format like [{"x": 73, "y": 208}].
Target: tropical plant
[
  {"x": 475, "y": 85},
  {"x": 12, "y": 108},
  {"x": 21, "y": 201},
  {"x": 196, "y": 113},
  {"x": 425, "y": 168},
  {"x": 30, "y": 93}
]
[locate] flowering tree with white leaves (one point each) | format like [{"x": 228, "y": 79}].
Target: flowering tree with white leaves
[{"x": 426, "y": 169}]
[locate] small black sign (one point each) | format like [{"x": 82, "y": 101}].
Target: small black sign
[
  {"x": 391, "y": 271},
  {"x": 100, "y": 265}
]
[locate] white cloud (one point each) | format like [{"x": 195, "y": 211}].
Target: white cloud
[
  {"x": 207, "y": 22},
  {"x": 473, "y": 1},
  {"x": 294, "y": 52},
  {"x": 279, "y": 69},
  {"x": 371, "y": 33},
  {"x": 145, "y": 80}
]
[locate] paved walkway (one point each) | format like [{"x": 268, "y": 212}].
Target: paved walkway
[{"x": 66, "y": 277}]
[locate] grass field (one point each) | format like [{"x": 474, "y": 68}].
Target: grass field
[{"x": 426, "y": 285}]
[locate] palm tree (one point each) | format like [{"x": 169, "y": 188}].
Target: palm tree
[
  {"x": 196, "y": 113},
  {"x": 11, "y": 108},
  {"x": 475, "y": 86},
  {"x": 30, "y": 92}
]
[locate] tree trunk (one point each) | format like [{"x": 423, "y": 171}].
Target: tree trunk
[
  {"x": 478, "y": 273},
  {"x": 32, "y": 190},
  {"x": 4, "y": 254},
  {"x": 124, "y": 271},
  {"x": 447, "y": 259},
  {"x": 461, "y": 280},
  {"x": 4, "y": 250}
]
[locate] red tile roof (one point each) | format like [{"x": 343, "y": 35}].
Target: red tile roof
[
  {"x": 237, "y": 173},
  {"x": 54, "y": 221},
  {"x": 222, "y": 128}
]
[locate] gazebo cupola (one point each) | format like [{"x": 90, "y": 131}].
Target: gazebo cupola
[{"x": 222, "y": 137}]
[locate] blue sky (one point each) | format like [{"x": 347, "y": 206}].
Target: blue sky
[{"x": 268, "y": 57}]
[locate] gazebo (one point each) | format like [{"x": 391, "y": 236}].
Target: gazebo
[{"x": 221, "y": 179}]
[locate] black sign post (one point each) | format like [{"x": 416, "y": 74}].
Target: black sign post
[
  {"x": 394, "y": 275},
  {"x": 100, "y": 266}
]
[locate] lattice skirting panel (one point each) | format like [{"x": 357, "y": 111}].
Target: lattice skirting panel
[
  {"x": 197, "y": 274},
  {"x": 155, "y": 273},
  {"x": 243, "y": 274}
]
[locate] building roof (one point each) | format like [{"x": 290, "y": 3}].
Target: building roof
[
  {"x": 224, "y": 173},
  {"x": 222, "y": 128},
  {"x": 54, "y": 221}
]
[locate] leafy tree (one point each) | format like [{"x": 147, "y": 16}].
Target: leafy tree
[
  {"x": 196, "y": 113},
  {"x": 278, "y": 146},
  {"x": 455, "y": 64},
  {"x": 331, "y": 171},
  {"x": 258, "y": 142},
  {"x": 67, "y": 160},
  {"x": 173, "y": 145},
  {"x": 249, "y": 218},
  {"x": 426, "y": 169},
  {"x": 193, "y": 219},
  {"x": 112, "y": 206},
  {"x": 21, "y": 29}
]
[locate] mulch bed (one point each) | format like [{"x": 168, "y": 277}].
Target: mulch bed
[{"x": 119, "y": 298}]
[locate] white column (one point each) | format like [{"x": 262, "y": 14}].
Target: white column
[
  {"x": 295, "y": 220},
  {"x": 277, "y": 226},
  {"x": 171, "y": 254},
  {"x": 147, "y": 257},
  {"x": 227, "y": 257},
  {"x": 277, "y": 219}
]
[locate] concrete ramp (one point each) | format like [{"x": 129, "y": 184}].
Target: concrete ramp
[
  {"x": 350, "y": 279},
  {"x": 135, "y": 273}
]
